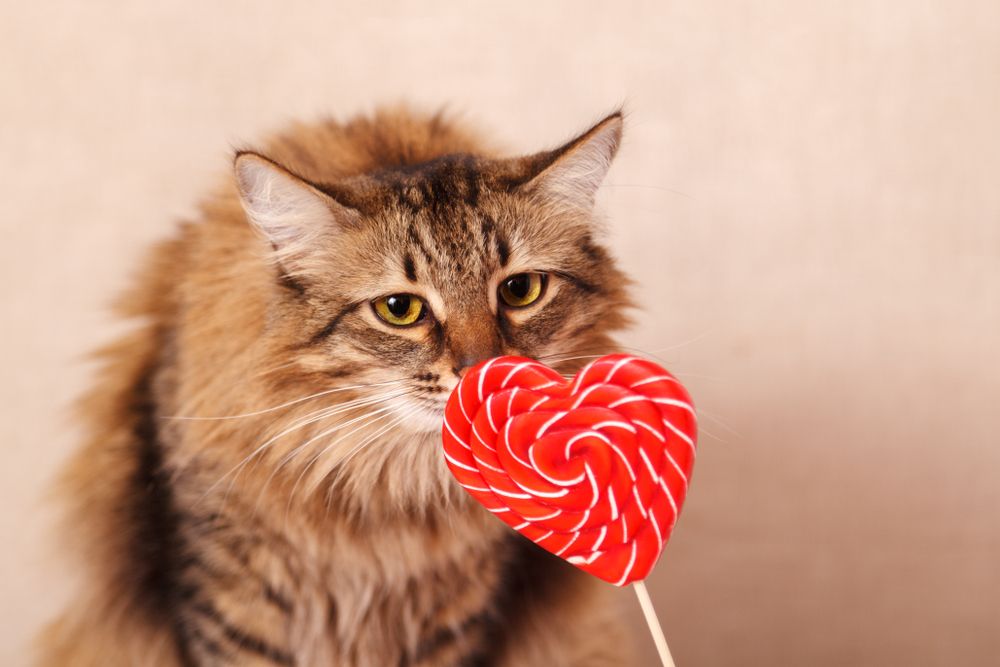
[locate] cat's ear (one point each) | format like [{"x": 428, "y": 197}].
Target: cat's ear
[
  {"x": 572, "y": 173},
  {"x": 292, "y": 214}
]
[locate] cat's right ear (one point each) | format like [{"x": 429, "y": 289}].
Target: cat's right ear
[{"x": 290, "y": 213}]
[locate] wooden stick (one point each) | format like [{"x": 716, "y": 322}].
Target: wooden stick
[{"x": 654, "y": 624}]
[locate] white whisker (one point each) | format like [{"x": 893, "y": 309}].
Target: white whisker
[
  {"x": 341, "y": 465},
  {"x": 718, "y": 420},
  {"x": 406, "y": 414},
  {"x": 285, "y": 405},
  {"x": 559, "y": 357},
  {"x": 300, "y": 447},
  {"x": 364, "y": 444},
  {"x": 308, "y": 419},
  {"x": 367, "y": 420}
]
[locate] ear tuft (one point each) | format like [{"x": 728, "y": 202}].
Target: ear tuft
[
  {"x": 292, "y": 214},
  {"x": 578, "y": 168}
]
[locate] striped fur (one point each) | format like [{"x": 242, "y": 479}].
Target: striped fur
[{"x": 263, "y": 483}]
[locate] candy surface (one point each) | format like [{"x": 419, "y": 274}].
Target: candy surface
[{"x": 594, "y": 469}]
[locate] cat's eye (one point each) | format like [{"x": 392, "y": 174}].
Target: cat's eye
[
  {"x": 523, "y": 289},
  {"x": 399, "y": 310}
]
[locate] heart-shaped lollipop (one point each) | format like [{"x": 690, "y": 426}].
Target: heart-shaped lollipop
[{"x": 594, "y": 470}]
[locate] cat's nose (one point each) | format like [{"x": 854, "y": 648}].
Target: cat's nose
[
  {"x": 471, "y": 340},
  {"x": 463, "y": 364}
]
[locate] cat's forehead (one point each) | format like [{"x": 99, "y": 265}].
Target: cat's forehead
[
  {"x": 440, "y": 222},
  {"x": 435, "y": 186},
  {"x": 456, "y": 247}
]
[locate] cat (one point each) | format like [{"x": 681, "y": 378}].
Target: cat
[{"x": 263, "y": 482}]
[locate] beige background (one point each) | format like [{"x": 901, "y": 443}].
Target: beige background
[{"x": 808, "y": 197}]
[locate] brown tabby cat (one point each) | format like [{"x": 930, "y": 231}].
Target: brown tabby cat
[{"x": 263, "y": 482}]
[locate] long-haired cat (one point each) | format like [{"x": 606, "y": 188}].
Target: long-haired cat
[{"x": 263, "y": 482}]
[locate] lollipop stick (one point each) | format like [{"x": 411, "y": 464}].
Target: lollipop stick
[{"x": 654, "y": 623}]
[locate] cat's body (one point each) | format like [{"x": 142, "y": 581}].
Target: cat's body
[{"x": 263, "y": 531}]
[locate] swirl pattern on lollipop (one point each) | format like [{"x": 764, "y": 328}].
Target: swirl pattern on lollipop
[{"x": 595, "y": 470}]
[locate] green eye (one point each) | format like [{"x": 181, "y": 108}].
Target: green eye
[
  {"x": 522, "y": 289},
  {"x": 399, "y": 310}
]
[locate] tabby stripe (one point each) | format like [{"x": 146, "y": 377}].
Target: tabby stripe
[
  {"x": 447, "y": 635},
  {"x": 276, "y": 598},
  {"x": 492, "y": 237},
  {"x": 291, "y": 284},
  {"x": 212, "y": 647},
  {"x": 410, "y": 268},
  {"x": 503, "y": 250},
  {"x": 331, "y": 326},
  {"x": 342, "y": 371},
  {"x": 415, "y": 239},
  {"x": 580, "y": 330},
  {"x": 269, "y": 593},
  {"x": 243, "y": 640},
  {"x": 153, "y": 520}
]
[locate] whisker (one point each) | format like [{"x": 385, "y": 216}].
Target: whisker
[
  {"x": 341, "y": 466},
  {"x": 367, "y": 442},
  {"x": 367, "y": 420},
  {"x": 718, "y": 420},
  {"x": 295, "y": 452},
  {"x": 325, "y": 413},
  {"x": 557, "y": 358},
  {"x": 562, "y": 356},
  {"x": 699, "y": 376},
  {"x": 644, "y": 186},
  {"x": 299, "y": 448},
  {"x": 308, "y": 419},
  {"x": 285, "y": 405},
  {"x": 705, "y": 431},
  {"x": 406, "y": 414},
  {"x": 274, "y": 369}
]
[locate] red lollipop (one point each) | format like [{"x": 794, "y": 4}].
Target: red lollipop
[{"x": 595, "y": 470}]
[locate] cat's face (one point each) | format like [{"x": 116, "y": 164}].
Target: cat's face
[{"x": 404, "y": 279}]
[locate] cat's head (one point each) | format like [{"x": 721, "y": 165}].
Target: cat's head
[{"x": 400, "y": 279}]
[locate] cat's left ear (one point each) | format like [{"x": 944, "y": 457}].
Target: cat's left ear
[{"x": 572, "y": 173}]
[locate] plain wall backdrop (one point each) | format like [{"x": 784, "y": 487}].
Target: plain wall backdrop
[{"x": 807, "y": 197}]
